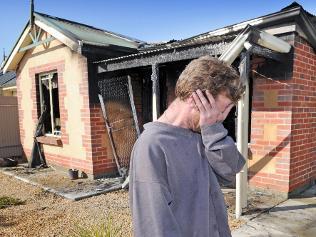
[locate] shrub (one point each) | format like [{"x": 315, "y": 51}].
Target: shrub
[
  {"x": 107, "y": 229},
  {"x": 9, "y": 201}
]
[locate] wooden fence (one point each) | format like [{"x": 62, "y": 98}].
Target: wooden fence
[{"x": 10, "y": 144}]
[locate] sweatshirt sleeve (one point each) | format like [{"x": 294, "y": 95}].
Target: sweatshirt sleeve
[
  {"x": 150, "y": 198},
  {"x": 221, "y": 152}
]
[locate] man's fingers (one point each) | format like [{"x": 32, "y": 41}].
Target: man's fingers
[
  {"x": 210, "y": 98},
  {"x": 203, "y": 99},
  {"x": 198, "y": 102}
]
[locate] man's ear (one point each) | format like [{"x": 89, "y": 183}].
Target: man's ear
[
  {"x": 190, "y": 101},
  {"x": 187, "y": 100}
]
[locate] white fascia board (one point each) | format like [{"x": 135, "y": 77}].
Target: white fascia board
[
  {"x": 254, "y": 22},
  {"x": 281, "y": 29},
  {"x": 73, "y": 44},
  {"x": 274, "y": 43},
  {"x": 9, "y": 88},
  {"x": 15, "y": 51}
]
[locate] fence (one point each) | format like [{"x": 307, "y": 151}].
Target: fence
[{"x": 10, "y": 145}]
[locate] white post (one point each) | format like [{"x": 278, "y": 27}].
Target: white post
[
  {"x": 155, "y": 91},
  {"x": 242, "y": 138}
]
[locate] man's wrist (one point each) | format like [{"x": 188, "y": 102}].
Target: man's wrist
[{"x": 213, "y": 133}]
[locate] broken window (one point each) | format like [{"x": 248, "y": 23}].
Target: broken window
[{"x": 49, "y": 101}]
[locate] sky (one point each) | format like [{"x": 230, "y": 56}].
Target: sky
[{"x": 150, "y": 21}]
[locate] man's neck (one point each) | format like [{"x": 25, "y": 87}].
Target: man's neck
[{"x": 177, "y": 114}]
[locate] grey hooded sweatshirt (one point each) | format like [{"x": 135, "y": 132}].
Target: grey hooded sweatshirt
[{"x": 174, "y": 181}]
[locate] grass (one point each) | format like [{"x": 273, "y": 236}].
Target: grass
[
  {"x": 106, "y": 229},
  {"x": 9, "y": 201}
]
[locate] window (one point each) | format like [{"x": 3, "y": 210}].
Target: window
[{"x": 48, "y": 88}]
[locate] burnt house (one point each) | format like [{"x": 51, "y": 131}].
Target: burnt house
[
  {"x": 88, "y": 78},
  {"x": 282, "y": 100}
]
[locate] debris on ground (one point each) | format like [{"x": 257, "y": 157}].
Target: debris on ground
[
  {"x": 8, "y": 162},
  {"x": 61, "y": 184}
]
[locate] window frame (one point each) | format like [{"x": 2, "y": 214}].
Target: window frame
[{"x": 49, "y": 76}]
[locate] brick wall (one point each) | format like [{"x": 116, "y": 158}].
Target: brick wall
[
  {"x": 102, "y": 158},
  {"x": 303, "y": 146},
  {"x": 283, "y": 121},
  {"x": 269, "y": 157},
  {"x": 65, "y": 162}
]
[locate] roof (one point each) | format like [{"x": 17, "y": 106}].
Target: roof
[
  {"x": 292, "y": 13},
  {"x": 262, "y": 21},
  {"x": 88, "y": 34},
  {"x": 7, "y": 79},
  {"x": 175, "y": 45},
  {"x": 76, "y": 36}
]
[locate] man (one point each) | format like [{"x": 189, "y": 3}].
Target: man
[{"x": 178, "y": 161}]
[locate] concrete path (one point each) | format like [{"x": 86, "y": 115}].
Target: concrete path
[{"x": 293, "y": 218}]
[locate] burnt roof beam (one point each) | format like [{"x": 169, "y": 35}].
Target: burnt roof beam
[
  {"x": 268, "y": 53},
  {"x": 171, "y": 56}
]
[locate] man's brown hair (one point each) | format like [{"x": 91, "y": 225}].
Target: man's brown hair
[{"x": 209, "y": 73}]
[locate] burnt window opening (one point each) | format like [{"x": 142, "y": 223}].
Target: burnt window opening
[{"x": 48, "y": 88}]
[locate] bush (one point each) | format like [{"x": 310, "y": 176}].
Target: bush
[{"x": 9, "y": 201}]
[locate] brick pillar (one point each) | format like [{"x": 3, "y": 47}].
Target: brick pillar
[
  {"x": 303, "y": 147},
  {"x": 283, "y": 126}
]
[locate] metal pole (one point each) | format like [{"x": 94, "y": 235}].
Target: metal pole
[
  {"x": 131, "y": 99},
  {"x": 242, "y": 136},
  {"x": 109, "y": 129},
  {"x": 155, "y": 91},
  {"x": 32, "y": 14}
]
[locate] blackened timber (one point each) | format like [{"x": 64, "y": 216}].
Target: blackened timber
[
  {"x": 268, "y": 53},
  {"x": 244, "y": 66},
  {"x": 98, "y": 52},
  {"x": 277, "y": 67},
  {"x": 172, "y": 55}
]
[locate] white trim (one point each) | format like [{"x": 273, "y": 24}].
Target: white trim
[
  {"x": 280, "y": 29},
  {"x": 252, "y": 22},
  {"x": 38, "y": 43},
  {"x": 51, "y": 105},
  {"x": 16, "y": 48},
  {"x": 48, "y": 76},
  {"x": 9, "y": 88},
  {"x": 71, "y": 43}
]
